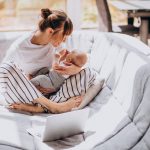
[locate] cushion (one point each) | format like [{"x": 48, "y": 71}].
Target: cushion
[{"x": 91, "y": 93}]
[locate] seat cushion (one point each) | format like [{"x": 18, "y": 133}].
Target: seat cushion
[
  {"x": 13, "y": 130},
  {"x": 106, "y": 120}
]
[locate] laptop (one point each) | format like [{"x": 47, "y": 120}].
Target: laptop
[{"x": 59, "y": 126}]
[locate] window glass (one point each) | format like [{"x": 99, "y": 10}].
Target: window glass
[
  {"x": 23, "y": 14},
  {"x": 89, "y": 14}
]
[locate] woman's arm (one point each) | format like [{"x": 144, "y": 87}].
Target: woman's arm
[
  {"x": 67, "y": 70},
  {"x": 51, "y": 106},
  {"x": 54, "y": 107}
]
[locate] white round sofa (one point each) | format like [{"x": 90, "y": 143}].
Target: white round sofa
[{"x": 119, "y": 115}]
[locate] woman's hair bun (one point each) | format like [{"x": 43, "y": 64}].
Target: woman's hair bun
[{"x": 45, "y": 13}]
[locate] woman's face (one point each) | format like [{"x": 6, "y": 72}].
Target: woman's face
[{"x": 57, "y": 38}]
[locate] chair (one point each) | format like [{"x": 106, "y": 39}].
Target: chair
[{"x": 105, "y": 22}]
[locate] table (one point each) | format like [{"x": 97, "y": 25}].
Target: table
[{"x": 136, "y": 8}]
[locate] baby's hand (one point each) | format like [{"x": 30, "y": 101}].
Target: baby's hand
[
  {"x": 57, "y": 56},
  {"x": 63, "y": 53},
  {"x": 29, "y": 76},
  {"x": 45, "y": 90}
]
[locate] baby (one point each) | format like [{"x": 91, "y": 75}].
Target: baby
[{"x": 52, "y": 80}]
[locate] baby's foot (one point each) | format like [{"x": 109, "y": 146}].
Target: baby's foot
[{"x": 68, "y": 105}]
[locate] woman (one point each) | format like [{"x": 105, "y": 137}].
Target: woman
[{"x": 31, "y": 53}]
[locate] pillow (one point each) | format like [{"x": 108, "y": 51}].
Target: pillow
[{"x": 91, "y": 93}]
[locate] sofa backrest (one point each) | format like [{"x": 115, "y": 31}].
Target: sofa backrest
[{"x": 116, "y": 57}]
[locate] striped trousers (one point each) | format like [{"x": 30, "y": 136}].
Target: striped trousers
[
  {"x": 75, "y": 85},
  {"x": 15, "y": 87}
]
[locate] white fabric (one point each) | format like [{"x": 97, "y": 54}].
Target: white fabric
[
  {"x": 30, "y": 57},
  {"x": 91, "y": 93}
]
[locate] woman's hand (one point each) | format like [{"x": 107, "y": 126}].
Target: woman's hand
[
  {"x": 70, "y": 69},
  {"x": 45, "y": 90},
  {"x": 77, "y": 98}
]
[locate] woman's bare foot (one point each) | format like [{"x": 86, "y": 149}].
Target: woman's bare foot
[{"x": 27, "y": 107}]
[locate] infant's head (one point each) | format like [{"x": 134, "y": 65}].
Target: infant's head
[{"x": 77, "y": 58}]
